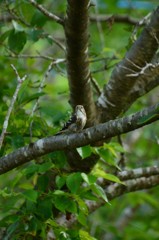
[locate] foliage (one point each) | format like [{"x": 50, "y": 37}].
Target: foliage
[{"x": 32, "y": 195}]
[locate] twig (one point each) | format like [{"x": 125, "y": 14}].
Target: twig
[
  {"x": 95, "y": 85},
  {"x": 15, "y": 16},
  {"x": 5, "y": 124},
  {"x": 99, "y": 26},
  {"x": 117, "y": 18},
  {"x": 46, "y": 12},
  {"x": 28, "y": 56},
  {"x": 56, "y": 61},
  {"x": 57, "y": 43},
  {"x": 40, "y": 90}
]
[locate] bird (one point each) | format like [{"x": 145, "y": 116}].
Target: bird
[{"x": 77, "y": 121}]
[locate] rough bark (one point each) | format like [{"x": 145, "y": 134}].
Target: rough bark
[
  {"x": 77, "y": 38},
  {"x": 87, "y": 136}
]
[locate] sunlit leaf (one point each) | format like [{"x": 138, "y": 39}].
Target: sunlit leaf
[
  {"x": 85, "y": 235},
  {"x": 82, "y": 218},
  {"x": 99, "y": 191},
  {"x": 84, "y": 151},
  {"x": 107, "y": 176},
  {"x": 88, "y": 178}
]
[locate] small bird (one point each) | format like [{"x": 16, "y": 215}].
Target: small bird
[{"x": 76, "y": 123}]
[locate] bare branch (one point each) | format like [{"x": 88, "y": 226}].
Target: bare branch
[
  {"x": 6, "y": 121},
  {"x": 56, "y": 61},
  {"x": 87, "y": 136},
  {"x": 57, "y": 42},
  {"x": 115, "y": 18},
  {"x": 115, "y": 94},
  {"x": 6, "y": 18},
  {"x": 138, "y": 172},
  {"x": 148, "y": 79},
  {"x": 116, "y": 190},
  {"x": 42, "y": 83},
  {"x": 46, "y": 12},
  {"x": 96, "y": 86}
]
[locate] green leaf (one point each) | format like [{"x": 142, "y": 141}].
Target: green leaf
[
  {"x": 11, "y": 229},
  {"x": 27, "y": 99},
  {"x": 111, "y": 148},
  {"x": 82, "y": 218},
  {"x": 4, "y": 35},
  {"x": 45, "y": 167},
  {"x": 85, "y": 151},
  {"x": 5, "y": 193},
  {"x": 43, "y": 182},
  {"x": 63, "y": 202},
  {"x": 107, "y": 176},
  {"x": 31, "y": 170},
  {"x": 98, "y": 190},
  {"x": 30, "y": 195},
  {"x": 35, "y": 34},
  {"x": 60, "y": 181},
  {"x": 17, "y": 26},
  {"x": 73, "y": 182},
  {"x": 107, "y": 156},
  {"x": 85, "y": 235},
  {"x": 17, "y": 41},
  {"x": 17, "y": 141},
  {"x": 44, "y": 208},
  {"x": 82, "y": 206},
  {"x": 59, "y": 158},
  {"x": 38, "y": 19},
  {"x": 88, "y": 178}
]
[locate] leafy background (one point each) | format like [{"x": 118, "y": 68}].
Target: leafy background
[{"x": 27, "y": 212}]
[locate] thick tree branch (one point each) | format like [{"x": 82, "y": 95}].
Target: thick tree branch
[
  {"x": 132, "y": 185},
  {"x": 116, "y": 190},
  {"x": 46, "y": 12},
  {"x": 116, "y": 92},
  {"x": 87, "y": 136},
  {"x": 76, "y": 30},
  {"x": 147, "y": 80},
  {"x": 138, "y": 172}
]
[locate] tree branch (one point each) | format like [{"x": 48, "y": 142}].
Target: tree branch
[
  {"x": 6, "y": 121},
  {"x": 147, "y": 81},
  {"x": 87, "y": 136},
  {"x": 115, "y": 94},
  {"x": 76, "y": 30},
  {"x": 138, "y": 172},
  {"x": 115, "y": 18},
  {"x": 46, "y": 12},
  {"x": 115, "y": 190}
]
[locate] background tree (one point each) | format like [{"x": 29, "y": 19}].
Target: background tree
[{"x": 54, "y": 56}]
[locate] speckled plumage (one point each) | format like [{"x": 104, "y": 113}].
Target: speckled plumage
[{"x": 77, "y": 122}]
